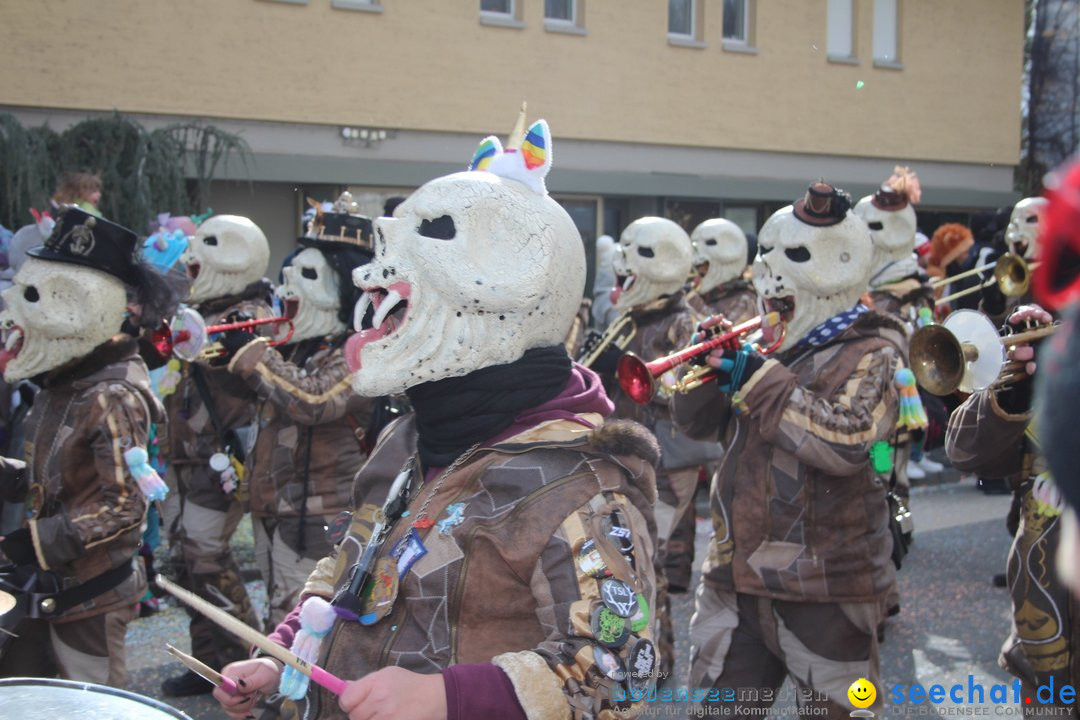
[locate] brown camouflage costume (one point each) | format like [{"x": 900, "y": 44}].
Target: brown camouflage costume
[
  {"x": 983, "y": 437},
  {"x": 86, "y": 510},
  {"x": 309, "y": 447},
  {"x": 504, "y": 579},
  {"x": 736, "y": 301},
  {"x": 208, "y": 517},
  {"x": 800, "y": 555}
]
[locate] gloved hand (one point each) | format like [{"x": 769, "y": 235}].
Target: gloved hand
[
  {"x": 1015, "y": 397},
  {"x": 233, "y": 340},
  {"x": 18, "y": 546},
  {"x": 734, "y": 367},
  {"x": 993, "y": 300}
]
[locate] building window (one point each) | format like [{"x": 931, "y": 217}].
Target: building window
[
  {"x": 739, "y": 25},
  {"x": 841, "y": 30},
  {"x": 566, "y": 16},
  {"x": 680, "y": 18},
  {"x": 886, "y": 33},
  {"x": 362, "y": 5},
  {"x": 505, "y": 13},
  {"x": 685, "y": 23}
]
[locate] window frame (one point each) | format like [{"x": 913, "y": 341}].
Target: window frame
[
  {"x": 747, "y": 43},
  {"x": 893, "y": 63},
  {"x": 372, "y": 6},
  {"x": 511, "y": 19},
  {"x": 574, "y": 26},
  {"x": 852, "y": 58},
  {"x": 693, "y": 39}
]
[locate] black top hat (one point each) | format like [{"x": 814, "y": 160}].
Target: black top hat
[
  {"x": 888, "y": 199},
  {"x": 83, "y": 239},
  {"x": 337, "y": 228},
  {"x": 822, "y": 205}
]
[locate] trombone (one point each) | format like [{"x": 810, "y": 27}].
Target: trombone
[
  {"x": 1012, "y": 275},
  {"x": 637, "y": 378},
  {"x": 966, "y": 353},
  {"x": 618, "y": 335}
]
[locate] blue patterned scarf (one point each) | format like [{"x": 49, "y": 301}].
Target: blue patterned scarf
[{"x": 832, "y": 327}]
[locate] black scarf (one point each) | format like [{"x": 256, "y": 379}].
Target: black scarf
[{"x": 454, "y": 414}]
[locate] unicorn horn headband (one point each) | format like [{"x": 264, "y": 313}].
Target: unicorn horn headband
[{"x": 526, "y": 158}]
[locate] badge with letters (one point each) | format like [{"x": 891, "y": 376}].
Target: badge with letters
[{"x": 619, "y": 598}]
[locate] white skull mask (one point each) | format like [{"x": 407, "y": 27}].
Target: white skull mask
[
  {"x": 810, "y": 273},
  {"x": 473, "y": 270},
  {"x": 891, "y": 231},
  {"x": 310, "y": 295},
  {"x": 227, "y": 254},
  {"x": 722, "y": 245},
  {"x": 56, "y": 312},
  {"x": 653, "y": 258},
  {"x": 1022, "y": 234}
]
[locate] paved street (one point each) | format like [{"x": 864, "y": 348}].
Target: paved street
[{"x": 952, "y": 621}]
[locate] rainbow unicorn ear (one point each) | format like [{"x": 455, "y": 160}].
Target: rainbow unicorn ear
[
  {"x": 526, "y": 158},
  {"x": 489, "y": 148}
]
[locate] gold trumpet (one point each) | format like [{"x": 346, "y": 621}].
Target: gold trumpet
[
  {"x": 187, "y": 335},
  {"x": 966, "y": 353},
  {"x": 1012, "y": 275},
  {"x": 618, "y": 335},
  {"x": 637, "y": 378}
]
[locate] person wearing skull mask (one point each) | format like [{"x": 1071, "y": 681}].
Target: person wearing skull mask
[
  {"x": 722, "y": 255},
  {"x": 517, "y": 571},
  {"x": 62, "y": 327},
  {"x": 652, "y": 261},
  {"x": 1020, "y": 240},
  {"x": 226, "y": 260},
  {"x": 1021, "y": 429},
  {"x": 799, "y": 561},
  {"x": 312, "y": 426}
]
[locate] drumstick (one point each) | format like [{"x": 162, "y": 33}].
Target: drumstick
[
  {"x": 205, "y": 671},
  {"x": 319, "y": 676}
]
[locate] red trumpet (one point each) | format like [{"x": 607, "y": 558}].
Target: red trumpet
[
  {"x": 186, "y": 336},
  {"x": 637, "y": 378}
]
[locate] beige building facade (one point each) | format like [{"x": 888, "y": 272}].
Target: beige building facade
[{"x": 656, "y": 106}]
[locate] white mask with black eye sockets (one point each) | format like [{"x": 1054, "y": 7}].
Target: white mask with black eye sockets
[
  {"x": 653, "y": 258},
  {"x": 809, "y": 273},
  {"x": 226, "y": 254},
  {"x": 1022, "y": 234},
  {"x": 720, "y": 246},
  {"x": 310, "y": 297},
  {"x": 473, "y": 270},
  {"x": 56, "y": 312},
  {"x": 891, "y": 231}
]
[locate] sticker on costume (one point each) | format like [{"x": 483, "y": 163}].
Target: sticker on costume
[
  {"x": 383, "y": 591},
  {"x": 642, "y": 666},
  {"x": 407, "y": 551},
  {"x": 640, "y": 619},
  {"x": 455, "y": 513},
  {"x": 338, "y": 527},
  {"x": 619, "y": 598},
  {"x": 590, "y": 561},
  {"x": 617, "y": 531},
  {"x": 609, "y": 629},
  {"x": 609, "y": 663}
]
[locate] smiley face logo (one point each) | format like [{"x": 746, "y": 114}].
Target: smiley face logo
[{"x": 862, "y": 693}]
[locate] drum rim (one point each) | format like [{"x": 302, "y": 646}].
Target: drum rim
[{"x": 103, "y": 689}]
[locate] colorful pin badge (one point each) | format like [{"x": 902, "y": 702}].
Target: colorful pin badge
[
  {"x": 609, "y": 629},
  {"x": 609, "y": 663},
  {"x": 640, "y": 619},
  {"x": 590, "y": 561},
  {"x": 619, "y": 598}
]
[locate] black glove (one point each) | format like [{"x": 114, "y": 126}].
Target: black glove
[
  {"x": 233, "y": 340},
  {"x": 18, "y": 546},
  {"x": 993, "y": 300},
  {"x": 736, "y": 367}
]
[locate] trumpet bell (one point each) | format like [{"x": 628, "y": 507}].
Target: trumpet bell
[
  {"x": 635, "y": 378},
  {"x": 963, "y": 353},
  {"x": 188, "y": 334},
  {"x": 1012, "y": 275}
]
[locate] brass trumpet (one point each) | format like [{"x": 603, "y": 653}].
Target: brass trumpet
[
  {"x": 618, "y": 335},
  {"x": 187, "y": 335},
  {"x": 637, "y": 378},
  {"x": 966, "y": 353},
  {"x": 1012, "y": 275}
]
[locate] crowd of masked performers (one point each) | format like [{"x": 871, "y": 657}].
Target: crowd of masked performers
[{"x": 460, "y": 507}]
